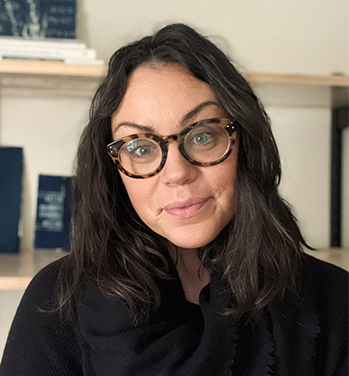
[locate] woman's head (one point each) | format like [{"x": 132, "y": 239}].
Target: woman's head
[
  {"x": 156, "y": 83},
  {"x": 180, "y": 46}
]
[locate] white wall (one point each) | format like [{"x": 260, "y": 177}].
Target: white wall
[
  {"x": 299, "y": 36},
  {"x": 9, "y": 301},
  {"x": 304, "y": 151}
]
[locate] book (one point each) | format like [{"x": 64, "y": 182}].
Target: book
[
  {"x": 52, "y": 226},
  {"x": 83, "y": 61},
  {"x": 11, "y": 169},
  {"x": 38, "y": 19},
  {"x": 46, "y": 53},
  {"x": 66, "y": 44}
]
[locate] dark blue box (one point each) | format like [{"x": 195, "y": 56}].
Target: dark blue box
[{"x": 11, "y": 169}]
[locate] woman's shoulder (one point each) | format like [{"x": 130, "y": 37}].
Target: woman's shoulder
[
  {"x": 327, "y": 285},
  {"x": 40, "y": 338},
  {"x": 43, "y": 286},
  {"x": 325, "y": 276},
  {"x": 50, "y": 270}
]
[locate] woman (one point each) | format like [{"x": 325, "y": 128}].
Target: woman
[{"x": 185, "y": 260}]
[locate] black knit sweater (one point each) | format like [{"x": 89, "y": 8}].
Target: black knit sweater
[{"x": 308, "y": 337}]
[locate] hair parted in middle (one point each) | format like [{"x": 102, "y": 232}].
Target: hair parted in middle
[{"x": 258, "y": 253}]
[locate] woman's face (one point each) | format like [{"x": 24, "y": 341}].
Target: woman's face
[{"x": 188, "y": 205}]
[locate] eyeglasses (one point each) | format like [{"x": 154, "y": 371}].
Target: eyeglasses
[{"x": 204, "y": 143}]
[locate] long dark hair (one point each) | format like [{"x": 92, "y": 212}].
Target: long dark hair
[{"x": 258, "y": 253}]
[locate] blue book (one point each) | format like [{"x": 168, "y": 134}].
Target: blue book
[
  {"x": 52, "y": 227},
  {"x": 11, "y": 169},
  {"x": 38, "y": 19}
]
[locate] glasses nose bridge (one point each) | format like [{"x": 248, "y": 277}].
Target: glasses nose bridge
[
  {"x": 175, "y": 138},
  {"x": 171, "y": 138}
]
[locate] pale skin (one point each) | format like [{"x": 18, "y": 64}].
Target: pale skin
[{"x": 186, "y": 204}]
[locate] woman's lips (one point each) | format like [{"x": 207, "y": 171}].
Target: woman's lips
[{"x": 185, "y": 209}]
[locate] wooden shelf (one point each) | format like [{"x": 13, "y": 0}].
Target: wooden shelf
[
  {"x": 17, "y": 270},
  {"x": 297, "y": 79},
  {"x": 57, "y": 68},
  {"x": 50, "y": 68}
]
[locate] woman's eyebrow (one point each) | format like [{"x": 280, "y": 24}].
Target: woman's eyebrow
[
  {"x": 185, "y": 118},
  {"x": 142, "y": 128},
  {"x": 197, "y": 109}
]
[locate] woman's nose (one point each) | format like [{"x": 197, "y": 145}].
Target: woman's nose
[{"x": 177, "y": 170}]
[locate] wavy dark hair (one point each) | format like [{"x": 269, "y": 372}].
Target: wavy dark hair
[{"x": 258, "y": 253}]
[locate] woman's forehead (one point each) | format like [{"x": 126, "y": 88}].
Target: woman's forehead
[{"x": 165, "y": 95}]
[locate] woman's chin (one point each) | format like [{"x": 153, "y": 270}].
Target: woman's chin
[{"x": 190, "y": 242}]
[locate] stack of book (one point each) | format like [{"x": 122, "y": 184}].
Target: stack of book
[{"x": 66, "y": 50}]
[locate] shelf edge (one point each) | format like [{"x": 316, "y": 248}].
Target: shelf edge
[
  {"x": 59, "y": 68},
  {"x": 297, "y": 79},
  {"x": 51, "y": 68}
]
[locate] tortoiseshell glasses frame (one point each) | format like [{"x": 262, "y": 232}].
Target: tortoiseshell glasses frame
[{"x": 227, "y": 124}]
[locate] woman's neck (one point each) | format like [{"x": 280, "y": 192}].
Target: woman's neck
[{"x": 192, "y": 274}]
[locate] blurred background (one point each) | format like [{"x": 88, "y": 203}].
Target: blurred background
[{"x": 45, "y": 115}]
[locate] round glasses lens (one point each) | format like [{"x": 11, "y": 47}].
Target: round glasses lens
[
  {"x": 140, "y": 156},
  {"x": 207, "y": 143}
]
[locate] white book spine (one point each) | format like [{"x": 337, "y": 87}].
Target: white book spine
[
  {"x": 47, "y": 54},
  {"x": 29, "y": 43},
  {"x": 83, "y": 62}
]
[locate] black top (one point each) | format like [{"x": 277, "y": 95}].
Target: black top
[{"x": 309, "y": 336}]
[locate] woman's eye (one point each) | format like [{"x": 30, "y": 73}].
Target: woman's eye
[
  {"x": 202, "y": 138},
  {"x": 140, "y": 150}
]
